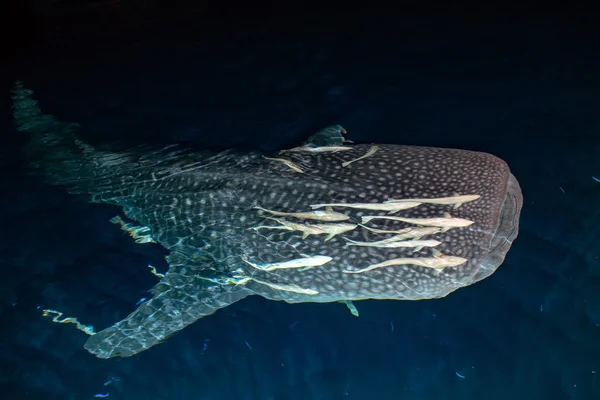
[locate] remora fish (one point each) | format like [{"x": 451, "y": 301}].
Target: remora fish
[
  {"x": 318, "y": 215},
  {"x": 446, "y": 222}
]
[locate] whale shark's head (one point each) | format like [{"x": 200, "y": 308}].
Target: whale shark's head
[{"x": 466, "y": 202}]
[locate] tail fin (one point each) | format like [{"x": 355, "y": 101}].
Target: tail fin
[
  {"x": 53, "y": 148},
  {"x": 56, "y": 152},
  {"x": 187, "y": 292}
]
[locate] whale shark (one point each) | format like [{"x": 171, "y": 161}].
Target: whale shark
[{"x": 238, "y": 224}]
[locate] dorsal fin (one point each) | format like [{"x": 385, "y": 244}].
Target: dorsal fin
[{"x": 330, "y": 136}]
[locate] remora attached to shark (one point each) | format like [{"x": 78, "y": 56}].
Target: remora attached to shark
[{"x": 215, "y": 213}]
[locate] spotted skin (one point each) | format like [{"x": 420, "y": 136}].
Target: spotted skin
[{"x": 201, "y": 207}]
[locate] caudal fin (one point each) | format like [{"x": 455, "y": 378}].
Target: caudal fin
[{"x": 53, "y": 147}]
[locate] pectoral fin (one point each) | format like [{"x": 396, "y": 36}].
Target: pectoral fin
[
  {"x": 177, "y": 302},
  {"x": 352, "y": 308}
]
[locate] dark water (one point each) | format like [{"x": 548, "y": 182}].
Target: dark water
[{"x": 523, "y": 84}]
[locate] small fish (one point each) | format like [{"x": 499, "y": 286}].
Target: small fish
[
  {"x": 248, "y": 344},
  {"x": 369, "y": 153},
  {"x": 561, "y": 189},
  {"x": 332, "y": 229},
  {"x": 243, "y": 280},
  {"x": 438, "y": 262},
  {"x": 320, "y": 215},
  {"x": 461, "y": 376},
  {"x": 456, "y": 200},
  {"x": 445, "y": 223},
  {"x": 416, "y": 244},
  {"x": 390, "y": 207},
  {"x": 293, "y": 324},
  {"x": 396, "y": 238},
  {"x": 596, "y": 179},
  {"x": 304, "y": 263},
  {"x": 313, "y": 229},
  {"x": 392, "y": 325},
  {"x": 406, "y": 233},
  {"x": 286, "y": 162},
  {"x": 324, "y": 149},
  {"x": 102, "y": 395}
]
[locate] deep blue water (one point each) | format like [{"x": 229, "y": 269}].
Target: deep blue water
[{"x": 525, "y": 87}]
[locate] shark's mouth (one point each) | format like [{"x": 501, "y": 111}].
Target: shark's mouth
[{"x": 508, "y": 229}]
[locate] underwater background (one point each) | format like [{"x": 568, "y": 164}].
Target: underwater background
[{"x": 521, "y": 83}]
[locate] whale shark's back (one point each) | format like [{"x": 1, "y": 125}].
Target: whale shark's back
[{"x": 311, "y": 224}]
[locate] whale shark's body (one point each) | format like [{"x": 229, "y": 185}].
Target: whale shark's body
[{"x": 228, "y": 220}]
